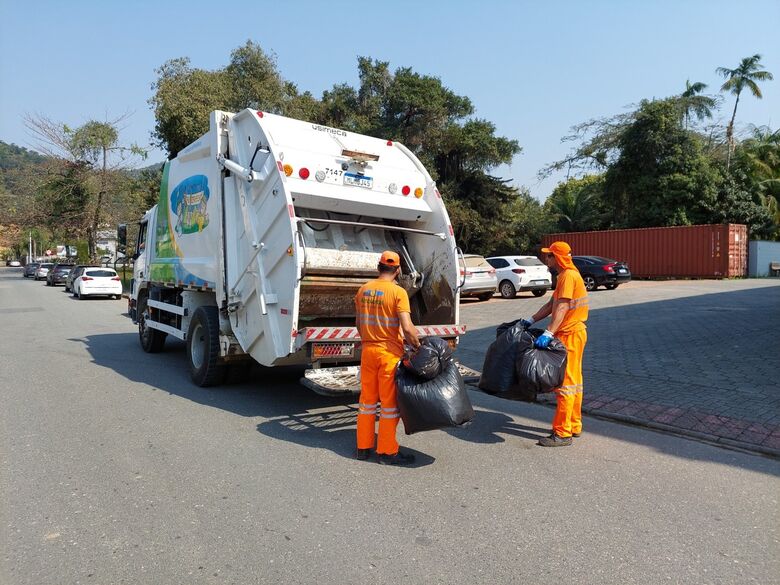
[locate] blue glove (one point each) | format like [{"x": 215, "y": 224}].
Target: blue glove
[
  {"x": 526, "y": 323},
  {"x": 544, "y": 340}
]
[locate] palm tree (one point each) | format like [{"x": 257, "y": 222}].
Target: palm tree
[
  {"x": 692, "y": 102},
  {"x": 747, "y": 73}
]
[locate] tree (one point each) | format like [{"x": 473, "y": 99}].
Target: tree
[
  {"x": 746, "y": 74},
  {"x": 85, "y": 174},
  {"x": 693, "y": 102},
  {"x": 662, "y": 176},
  {"x": 577, "y": 204}
]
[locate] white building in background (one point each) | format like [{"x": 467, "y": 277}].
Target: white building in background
[{"x": 105, "y": 242}]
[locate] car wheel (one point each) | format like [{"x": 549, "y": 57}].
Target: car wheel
[
  {"x": 612, "y": 286},
  {"x": 485, "y": 296},
  {"x": 539, "y": 292},
  {"x": 590, "y": 282},
  {"x": 507, "y": 289},
  {"x": 203, "y": 347},
  {"x": 152, "y": 340}
]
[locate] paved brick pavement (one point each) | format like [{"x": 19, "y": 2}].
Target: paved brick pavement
[{"x": 697, "y": 357}]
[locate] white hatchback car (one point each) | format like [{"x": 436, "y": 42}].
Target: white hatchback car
[
  {"x": 521, "y": 273},
  {"x": 97, "y": 281}
]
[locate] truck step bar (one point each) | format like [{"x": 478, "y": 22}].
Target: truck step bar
[{"x": 346, "y": 380}]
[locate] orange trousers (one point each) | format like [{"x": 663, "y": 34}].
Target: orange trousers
[
  {"x": 568, "y": 414},
  {"x": 377, "y": 395}
]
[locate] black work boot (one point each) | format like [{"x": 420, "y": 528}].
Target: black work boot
[
  {"x": 555, "y": 441},
  {"x": 397, "y": 459},
  {"x": 363, "y": 454},
  {"x": 576, "y": 435}
]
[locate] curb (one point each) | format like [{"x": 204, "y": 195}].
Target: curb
[
  {"x": 670, "y": 429},
  {"x": 690, "y": 434}
]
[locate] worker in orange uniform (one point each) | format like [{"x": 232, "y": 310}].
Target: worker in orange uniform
[
  {"x": 569, "y": 310},
  {"x": 383, "y": 322}
]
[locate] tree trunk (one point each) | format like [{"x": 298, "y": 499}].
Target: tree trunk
[
  {"x": 730, "y": 134},
  {"x": 98, "y": 207}
]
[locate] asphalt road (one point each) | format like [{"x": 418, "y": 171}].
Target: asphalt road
[{"x": 115, "y": 469}]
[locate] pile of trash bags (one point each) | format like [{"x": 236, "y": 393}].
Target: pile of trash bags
[
  {"x": 516, "y": 370},
  {"x": 430, "y": 390}
]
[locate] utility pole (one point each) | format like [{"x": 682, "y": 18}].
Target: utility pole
[{"x": 29, "y": 249}]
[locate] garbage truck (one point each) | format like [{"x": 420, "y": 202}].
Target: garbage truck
[{"x": 265, "y": 229}]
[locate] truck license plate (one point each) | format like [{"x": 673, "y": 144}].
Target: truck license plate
[{"x": 358, "y": 180}]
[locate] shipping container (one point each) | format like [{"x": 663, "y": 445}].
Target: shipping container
[{"x": 697, "y": 251}]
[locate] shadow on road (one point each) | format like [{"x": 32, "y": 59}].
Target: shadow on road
[{"x": 688, "y": 330}]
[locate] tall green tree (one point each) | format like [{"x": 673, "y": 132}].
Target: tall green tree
[
  {"x": 746, "y": 75},
  {"x": 662, "y": 176},
  {"x": 693, "y": 101}
]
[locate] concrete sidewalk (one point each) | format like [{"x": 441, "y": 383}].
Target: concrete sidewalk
[{"x": 699, "y": 358}]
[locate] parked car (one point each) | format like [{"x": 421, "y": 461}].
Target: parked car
[
  {"x": 521, "y": 273},
  {"x": 13, "y": 263},
  {"x": 78, "y": 269},
  {"x": 43, "y": 270},
  {"x": 29, "y": 269},
  {"x": 480, "y": 278},
  {"x": 598, "y": 271},
  {"x": 58, "y": 274},
  {"x": 97, "y": 282}
]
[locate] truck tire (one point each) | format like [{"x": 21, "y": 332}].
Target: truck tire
[
  {"x": 152, "y": 340},
  {"x": 203, "y": 347}
]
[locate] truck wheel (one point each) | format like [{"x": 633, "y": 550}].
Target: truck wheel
[
  {"x": 539, "y": 292},
  {"x": 203, "y": 347},
  {"x": 152, "y": 340},
  {"x": 507, "y": 289}
]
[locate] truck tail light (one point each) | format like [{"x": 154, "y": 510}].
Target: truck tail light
[
  {"x": 303, "y": 173},
  {"x": 418, "y": 192},
  {"x": 406, "y": 190}
]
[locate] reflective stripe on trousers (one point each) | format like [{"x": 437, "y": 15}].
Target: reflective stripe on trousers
[
  {"x": 568, "y": 412},
  {"x": 377, "y": 385}
]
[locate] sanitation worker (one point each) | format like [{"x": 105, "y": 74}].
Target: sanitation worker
[
  {"x": 383, "y": 322},
  {"x": 569, "y": 310}
]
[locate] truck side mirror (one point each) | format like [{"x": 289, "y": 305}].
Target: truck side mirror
[{"x": 121, "y": 236}]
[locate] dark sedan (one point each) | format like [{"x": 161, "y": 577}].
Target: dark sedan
[
  {"x": 29, "y": 269},
  {"x": 58, "y": 274},
  {"x": 598, "y": 271}
]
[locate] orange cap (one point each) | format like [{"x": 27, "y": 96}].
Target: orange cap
[
  {"x": 390, "y": 258},
  {"x": 558, "y": 248}
]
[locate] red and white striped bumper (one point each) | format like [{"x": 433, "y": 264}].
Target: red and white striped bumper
[{"x": 326, "y": 334}]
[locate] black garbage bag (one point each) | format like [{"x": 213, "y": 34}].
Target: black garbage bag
[
  {"x": 428, "y": 360},
  {"x": 539, "y": 370},
  {"x": 426, "y": 405},
  {"x": 498, "y": 370}
]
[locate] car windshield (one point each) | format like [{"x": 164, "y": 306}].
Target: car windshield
[
  {"x": 476, "y": 262},
  {"x": 99, "y": 273},
  {"x": 528, "y": 262}
]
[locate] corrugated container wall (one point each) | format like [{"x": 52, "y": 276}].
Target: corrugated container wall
[{"x": 697, "y": 251}]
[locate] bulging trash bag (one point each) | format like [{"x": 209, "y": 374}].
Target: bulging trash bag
[
  {"x": 539, "y": 370},
  {"x": 428, "y": 360},
  {"x": 427, "y": 405},
  {"x": 498, "y": 371}
]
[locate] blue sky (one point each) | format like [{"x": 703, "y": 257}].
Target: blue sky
[{"x": 532, "y": 68}]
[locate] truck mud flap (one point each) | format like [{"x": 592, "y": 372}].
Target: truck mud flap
[{"x": 346, "y": 380}]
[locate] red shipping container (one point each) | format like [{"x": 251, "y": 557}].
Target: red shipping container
[{"x": 696, "y": 251}]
